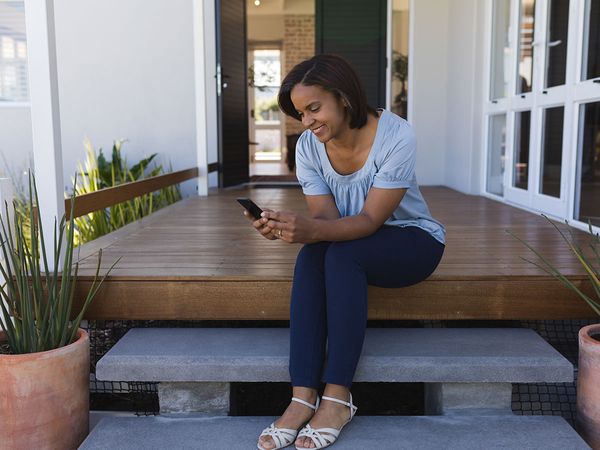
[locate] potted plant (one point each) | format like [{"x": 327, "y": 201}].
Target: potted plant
[
  {"x": 588, "y": 382},
  {"x": 44, "y": 355}
]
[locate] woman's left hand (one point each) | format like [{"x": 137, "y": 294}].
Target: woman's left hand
[{"x": 291, "y": 227}]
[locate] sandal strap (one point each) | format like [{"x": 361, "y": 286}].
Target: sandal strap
[
  {"x": 342, "y": 402},
  {"x": 320, "y": 440},
  {"x": 313, "y": 407},
  {"x": 337, "y": 400},
  {"x": 282, "y": 437}
]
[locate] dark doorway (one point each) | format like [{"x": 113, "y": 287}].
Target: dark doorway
[
  {"x": 356, "y": 30},
  {"x": 232, "y": 93}
]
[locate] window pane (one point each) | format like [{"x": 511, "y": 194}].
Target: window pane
[
  {"x": 269, "y": 145},
  {"x": 551, "y": 163},
  {"x": 526, "y": 32},
  {"x": 266, "y": 78},
  {"x": 267, "y": 67},
  {"x": 556, "y": 56},
  {"x": 265, "y": 104},
  {"x": 591, "y": 65},
  {"x": 500, "y": 49},
  {"x": 14, "y": 86},
  {"x": 521, "y": 163},
  {"x": 400, "y": 25},
  {"x": 496, "y": 152},
  {"x": 587, "y": 204}
]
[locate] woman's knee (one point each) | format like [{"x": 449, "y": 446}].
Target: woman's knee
[
  {"x": 312, "y": 255},
  {"x": 341, "y": 254}
]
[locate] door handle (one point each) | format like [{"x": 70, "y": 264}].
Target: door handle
[{"x": 554, "y": 43}]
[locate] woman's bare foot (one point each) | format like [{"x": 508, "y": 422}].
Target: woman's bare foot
[
  {"x": 329, "y": 414},
  {"x": 295, "y": 416}
]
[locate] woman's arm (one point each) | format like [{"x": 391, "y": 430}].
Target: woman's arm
[
  {"x": 322, "y": 207},
  {"x": 379, "y": 206}
]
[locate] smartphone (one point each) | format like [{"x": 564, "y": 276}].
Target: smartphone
[{"x": 251, "y": 207}]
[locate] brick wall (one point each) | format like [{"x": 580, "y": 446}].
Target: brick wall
[{"x": 298, "y": 45}]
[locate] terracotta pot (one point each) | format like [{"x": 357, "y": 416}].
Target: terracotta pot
[
  {"x": 588, "y": 385},
  {"x": 44, "y": 397}
]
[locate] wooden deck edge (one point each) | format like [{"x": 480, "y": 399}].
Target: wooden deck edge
[
  {"x": 91, "y": 248},
  {"x": 269, "y": 300},
  {"x": 582, "y": 279}
]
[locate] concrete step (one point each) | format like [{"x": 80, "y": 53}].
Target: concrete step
[
  {"x": 382, "y": 432},
  {"x": 389, "y": 355}
]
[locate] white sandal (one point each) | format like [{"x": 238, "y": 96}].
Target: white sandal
[
  {"x": 282, "y": 437},
  {"x": 314, "y": 434}
]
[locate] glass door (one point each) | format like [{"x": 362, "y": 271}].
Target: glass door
[
  {"x": 265, "y": 121},
  {"x": 523, "y": 79},
  {"x": 586, "y": 207},
  {"x": 542, "y": 112},
  {"x": 529, "y": 74},
  {"x": 586, "y": 137},
  {"x": 554, "y": 112}
]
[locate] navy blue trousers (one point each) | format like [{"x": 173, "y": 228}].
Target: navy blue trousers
[{"x": 328, "y": 315}]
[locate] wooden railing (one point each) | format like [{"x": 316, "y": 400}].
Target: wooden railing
[{"x": 94, "y": 201}]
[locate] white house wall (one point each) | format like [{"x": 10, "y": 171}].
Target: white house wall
[
  {"x": 16, "y": 144},
  {"x": 464, "y": 99},
  {"x": 126, "y": 70},
  {"x": 427, "y": 95}
]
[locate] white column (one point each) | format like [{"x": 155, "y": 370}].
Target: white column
[
  {"x": 200, "y": 88},
  {"x": 206, "y": 95},
  {"x": 45, "y": 115}
]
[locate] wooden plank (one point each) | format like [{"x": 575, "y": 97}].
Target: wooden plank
[
  {"x": 270, "y": 300},
  {"x": 201, "y": 259},
  {"x": 94, "y": 201}
]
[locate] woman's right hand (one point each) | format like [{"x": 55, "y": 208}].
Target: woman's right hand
[{"x": 261, "y": 225}]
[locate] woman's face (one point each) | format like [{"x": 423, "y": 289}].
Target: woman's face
[{"x": 320, "y": 111}]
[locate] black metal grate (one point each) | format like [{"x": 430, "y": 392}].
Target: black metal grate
[{"x": 552, "y": 399}]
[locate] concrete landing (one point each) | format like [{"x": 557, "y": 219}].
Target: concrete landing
[
  {"x": 456, "y": 355},
  {"x": 383, "y": 432}
]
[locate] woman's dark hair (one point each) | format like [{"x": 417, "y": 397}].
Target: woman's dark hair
[{"x": 333, "y": 74}]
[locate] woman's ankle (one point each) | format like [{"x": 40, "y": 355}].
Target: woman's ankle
[
  {"x": 337, "y": 391},
  {"x": 305, "y": 393}
]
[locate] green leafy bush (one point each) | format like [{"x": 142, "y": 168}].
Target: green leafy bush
[{"x": 99, "y": 173}]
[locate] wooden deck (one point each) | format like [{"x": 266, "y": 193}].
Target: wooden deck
[{"x": 200, "y": 259}]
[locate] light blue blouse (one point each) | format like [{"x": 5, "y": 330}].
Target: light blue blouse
[{"x": 390, "y": 165}]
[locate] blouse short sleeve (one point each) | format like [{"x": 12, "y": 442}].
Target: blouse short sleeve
[
  {"x": 396, "y": 165},
  {"x": 309, "y": 177}
]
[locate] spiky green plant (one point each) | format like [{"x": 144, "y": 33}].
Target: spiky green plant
[
  {"x": 98, "y": 173},
  {"x": 36, "y": 303},
  {"x": 592, "y": 269}
]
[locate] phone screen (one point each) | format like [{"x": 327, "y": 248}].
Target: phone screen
[{"x": 250, "y": 206}]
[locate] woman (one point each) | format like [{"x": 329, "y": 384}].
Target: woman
[{"x": 368, "y": 224}]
